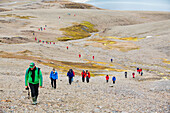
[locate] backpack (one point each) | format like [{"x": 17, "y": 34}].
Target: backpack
[{"x": 38, "y": 70}]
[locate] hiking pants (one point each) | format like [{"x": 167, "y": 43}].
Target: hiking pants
[
  {"x": 113, "y": 82},
  {"x": 82, "y": 79},
  {"x": 34, "y": 89},
  {"x": 125, "y": 76},
  {"x": 87, "y": 79},
  {"x": 53, "y": 83},
  {"x": 107, "y": 81},
  {"x": 70, "y": 80}
]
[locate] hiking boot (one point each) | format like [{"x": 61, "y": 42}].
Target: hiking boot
[{"x": 34, "y": 100}]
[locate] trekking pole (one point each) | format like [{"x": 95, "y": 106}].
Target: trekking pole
[{"x": 28, "y": 92}]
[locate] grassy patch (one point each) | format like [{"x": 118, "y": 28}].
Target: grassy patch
[
  {"x": 17, "y": 16},
  {"x": 60, "y": 65},
  {"x": 73, "y": 5},
  {"x": 77, "y": 31},
  {"x": 166, "y": 61},
  {"x": 109, "y": 44},
  {"x": 148, "y": 79},
  {"x": 103, "y": 41},
  {"x": 2, "y": 9},
  {"x": 125, "y": 38}
]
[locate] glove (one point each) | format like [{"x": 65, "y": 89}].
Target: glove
[{"x": 26, "y": 88}]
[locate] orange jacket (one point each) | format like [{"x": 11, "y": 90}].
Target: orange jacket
[
  {"x": 107, "y": 77},
  {"x": 83, "y": 74},
  {"x": 88, "y": 74}
]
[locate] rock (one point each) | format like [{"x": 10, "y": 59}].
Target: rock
[
  {"x": 96, "y": 110},
  {"x": 115, "y": 112},
  {"x": 5, "y": 100},
  {"x": 100, "y": 107},
  {"x": 12, "y": 107}
]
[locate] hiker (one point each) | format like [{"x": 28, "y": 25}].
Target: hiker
[
  {"x": 33, "y": 76},
  {"x": 83, "y": 75},
  {"x": 111, "y": 60},
  {"x": 125, "y": 74},
  {"x": 137, "y": 68},
  {"x": 107, "y": 78},
  {"x": 73, "y": 76},
  {"x": 141, "y": 73},
  {"x": 53, "y": 77},
  {"x": 133, "y": 74},
  {"x": 79, "y": 55},
  {"x": 140, "y": 70},
  {"x": 93, "y": 57},
  {"x": 114, "y": 79},
  {"x": 67, "y": 47},
  {"x": 87, "y": 76},
  {"x": 70, "y": 75}
]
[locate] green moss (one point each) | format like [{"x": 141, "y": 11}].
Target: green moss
[
  {"x": 64, "y": 38},
  {"x": 17, "y": 16},
  {"x": 78, "y": 31}
]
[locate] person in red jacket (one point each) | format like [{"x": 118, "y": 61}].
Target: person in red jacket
[
  {"x": 107, "y": 78},
  {"x": 83, "y": 75},
  {"x": 140, "y": 70},
  {"x": 133, "y": 74},
  {"x": 87, "y": 76}
]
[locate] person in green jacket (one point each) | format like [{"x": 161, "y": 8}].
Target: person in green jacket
[{"x": 33, "y": 76}]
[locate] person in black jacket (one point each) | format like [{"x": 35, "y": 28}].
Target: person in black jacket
[{"x": 70, "y": 75}]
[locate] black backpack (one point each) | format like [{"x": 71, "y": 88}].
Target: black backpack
[{"x": 38, "y": 70}]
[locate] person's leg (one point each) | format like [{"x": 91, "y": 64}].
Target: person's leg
[
  {"x": 55, "y": 84},
  {"x": 70, "y": 79},
  {"x": 87, "y": 79},
  {"x": 82, "y": 79},
  {"x": 36, "y": 90},
  {"x": 32, "y": 90},
  {"x": 51, "y": 82}
]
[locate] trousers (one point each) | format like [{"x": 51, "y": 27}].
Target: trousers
[
  {"x": 34, "y": 89},
  {"x": 53, "y": 83}
]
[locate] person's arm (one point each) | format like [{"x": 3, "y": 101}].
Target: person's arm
[
  {"x": 89, "y": 74},
  {"x": 41, "y": 79},
  {"x": 26, "y": 78},
  {"x": 73, "y": 73}
]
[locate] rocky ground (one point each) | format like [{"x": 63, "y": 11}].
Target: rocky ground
[{"x": 131, "y": 38}]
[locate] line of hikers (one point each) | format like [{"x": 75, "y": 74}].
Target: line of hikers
[{"x": 33, "y": 78}]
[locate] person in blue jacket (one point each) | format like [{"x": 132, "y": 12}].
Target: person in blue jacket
[
  {"x": 53, "y": 77},
  {"x": 114, "y": 79},
  {"x": 70, "y": 75}
]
